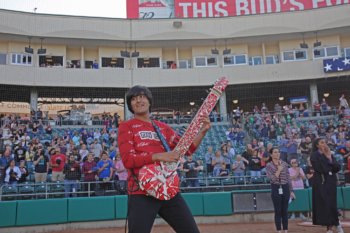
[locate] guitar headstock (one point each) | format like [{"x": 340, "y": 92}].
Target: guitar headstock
[{"x": 221, "y": 84}]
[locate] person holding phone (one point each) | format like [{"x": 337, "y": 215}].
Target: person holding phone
[{"x": 281, "y": 189}]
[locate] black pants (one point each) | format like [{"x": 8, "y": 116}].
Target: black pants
[
  {"x": 280, "y": 204},
  {"x": 144, "y": 209}
]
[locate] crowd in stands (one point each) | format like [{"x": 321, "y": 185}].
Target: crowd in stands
[
  {"x": 32, "y": 151},
  {"x": 245, "y": 149}
]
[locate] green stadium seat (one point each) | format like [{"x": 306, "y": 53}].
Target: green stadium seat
[
  {"x": 26, "y": 191},
  {"x": 9, "y": 193}
]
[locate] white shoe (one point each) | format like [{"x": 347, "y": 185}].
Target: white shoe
[
  {"x": 303, "y": 217},
  {"x": 292, "y": 216},
  {"x": 340, "y": 229},
  {"x": 329, "y": 231}
]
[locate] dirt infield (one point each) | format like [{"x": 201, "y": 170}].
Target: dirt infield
[{"x": 219, "y": 228}]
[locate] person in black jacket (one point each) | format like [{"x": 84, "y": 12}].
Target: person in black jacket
[
  {"x": 324, "y": 187},
  {"x": 72, "y": 176}
]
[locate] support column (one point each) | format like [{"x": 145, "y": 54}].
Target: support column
[
  {"x": 313, "y": 93},
  {"x": 82, "y": 57},
  {"x": 223, "y": 107},
  {"x": 127, "y": 114},
  {"x": 34, "y": 99}
]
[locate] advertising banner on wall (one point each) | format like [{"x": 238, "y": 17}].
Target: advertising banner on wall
[
  {"x": 150, "y": 9},
  {"x": 220, "y": 8},
  {"x": 52, "y": 109}
]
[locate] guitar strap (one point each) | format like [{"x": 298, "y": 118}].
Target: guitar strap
[{"x": 161, "y": 137}]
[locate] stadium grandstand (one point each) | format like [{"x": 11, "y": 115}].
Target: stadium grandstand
[{"x": 63, "y": 81}]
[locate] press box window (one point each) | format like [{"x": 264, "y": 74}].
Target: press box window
[
  {"x": 294, "y": 55},
  {"x": 230, "y": 60},
  {"x": 148, "y": 62},
  {"x": 331, "y": 51},
  {"x": 114, "y": 62},
  {"x": 21, "y": 59}
]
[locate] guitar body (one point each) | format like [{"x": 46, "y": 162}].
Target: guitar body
[{"x": 161, "y": 180}]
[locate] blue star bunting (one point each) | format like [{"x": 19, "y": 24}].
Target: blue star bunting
[{"x": 336, "y": 65}]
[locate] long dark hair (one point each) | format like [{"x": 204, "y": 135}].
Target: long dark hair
[
  {"x": 315, "y": 144},
  {"x": 136, "y": 91},
  {"x": 270, "y": 151}
]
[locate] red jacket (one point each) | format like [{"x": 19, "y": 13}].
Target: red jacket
[{"x": 138, "y": 141}]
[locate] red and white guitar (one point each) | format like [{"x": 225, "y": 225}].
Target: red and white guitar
[{"x": 161, "y": 181}]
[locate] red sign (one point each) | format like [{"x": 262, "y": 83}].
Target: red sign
[
  {"x": 148, "y": 9},
  {"x": 220, "y": 8}
]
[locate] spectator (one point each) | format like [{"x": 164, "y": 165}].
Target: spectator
[
  {"x": 324, "y": 107},
  {"x": 226, "y": 155},
  {"x": 309, "y": 171},
  {"x": 83, "y": 152},
  {"x": 191, "y": 169},
  {"x": 255, "y": 165},
  {"x": 208, "y": 160},
  {"x": 105, "y": 172},
  {"x": 24, "y": 171},
  {"x": 317, "y": 108},
  {"x": 216, "y": 163},
  {"x": 19, "y": 153},
  {"x": 113, "y": 152},
  {"x": 292, "y": 148},
  {"x": 324, "y": 187},
  {"x": 343, "y": 103},
  {"x": 96, "y": 149},
  {"x": 41, "y": 166},
  {"x": 121, "y": 174},
  {"x": 89, "y": 171},
  {"x": 281, "y": 188},
  {"x": 238, "y": 166},
  {"x": 305, "y": 148},
  {"x": 72, "y": 177},
  {"x": 95, "y": 65},
  {"x": 297, "y": 177},
  {"x": 223, "y": 170},
  {"x": 12, "y": 173},
  {"x": 57, "y": 162}
]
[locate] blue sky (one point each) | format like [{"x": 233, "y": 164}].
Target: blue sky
[{"x": 100, "y": 8}]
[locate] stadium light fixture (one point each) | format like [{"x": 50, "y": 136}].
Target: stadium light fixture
[
  {"x": 215, "y": 51},
  {"x": 177, "y": 24},
  {"x": 226, "y": 50},
  {"x": 317, "y": 43},
  {"x": 41, "y": 50},
  {"x": 29, "y": 49},
  {"x": 135, "y": 53},
  {"x": 304, "y": 45},
  {"x": 192, "y": 103},
  {"x": 281, "y": 98},
  {"x": 125, "y": 53},
  {"x": 326, "y": 94},
  {"x": 235, "y": 101}
]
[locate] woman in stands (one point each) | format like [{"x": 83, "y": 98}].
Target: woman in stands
[
  {"x": 139, "y": 145},
  {"x": 281, "y": 188},
  {"x": 324, "y": 187}
]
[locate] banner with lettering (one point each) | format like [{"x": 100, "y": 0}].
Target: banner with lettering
[
  {"x": 220, "y": 8},
  {"x": 150, "y": 9}
]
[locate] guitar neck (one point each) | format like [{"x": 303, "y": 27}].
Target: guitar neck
[{"x": 204, "y": 111}]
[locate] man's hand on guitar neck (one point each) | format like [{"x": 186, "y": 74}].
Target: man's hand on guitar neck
[
  {"x": 171, "y": 156},
  {"x": 205, "y": 122}
]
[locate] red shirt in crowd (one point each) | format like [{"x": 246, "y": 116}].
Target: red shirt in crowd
[{"x": 55, "y": 158}]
